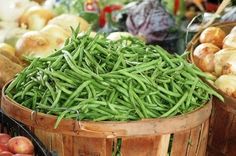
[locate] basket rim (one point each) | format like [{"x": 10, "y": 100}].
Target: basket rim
[{"x": 106, "y": 129}]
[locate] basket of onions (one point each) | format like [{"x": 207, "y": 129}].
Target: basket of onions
[{"x": 213, "y": 50}]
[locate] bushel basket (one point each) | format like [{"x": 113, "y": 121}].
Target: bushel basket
[
  {"x": 222, "y": 134},
  {"x": 184, "y": 135}
]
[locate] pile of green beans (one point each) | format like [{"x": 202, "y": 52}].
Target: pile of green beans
[{"x": 97, "y": 79}]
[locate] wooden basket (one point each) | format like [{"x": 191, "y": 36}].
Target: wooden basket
[
  {"x": 184, "y": 135},
  {"x": 222, "y": 136}
]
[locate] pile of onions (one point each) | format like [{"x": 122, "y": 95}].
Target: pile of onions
[{"x": 216, "y": 55}]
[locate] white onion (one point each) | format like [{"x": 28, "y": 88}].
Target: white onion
[
  {"x": 213, "y": 35},
  {"x": 225, "y": 61},
  {"x": 230, "y": 41},
  {"x": 226, "y": 83},
  {"x": 204, "y": 56}
]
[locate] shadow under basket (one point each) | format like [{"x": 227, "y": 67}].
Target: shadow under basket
[
  {"x": 14, "y": 128},
  {"x": 222, "y": 133},
  {"x": 183, "y": 135}
]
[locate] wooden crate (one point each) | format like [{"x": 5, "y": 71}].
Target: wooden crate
[
  {"x": 184, "y": 135},
  {"x": 222, "y": 135}
]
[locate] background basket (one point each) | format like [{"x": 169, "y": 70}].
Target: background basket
[
  {"x": 222, "y": 136},
  {"x": 14, "y": 128}
]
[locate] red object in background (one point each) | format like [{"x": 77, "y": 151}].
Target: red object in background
[
  {"x": 210, "y": 7},
  {"x": 107, "y": 9},
  {"x": 6, "y": 153},
  {"x": 176, "y": 6}
]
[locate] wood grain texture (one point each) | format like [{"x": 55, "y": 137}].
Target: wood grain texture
[
  {"x": 145, "y": 146},
  {"x": 201, "y": 151},
  {"x": 89, "y": 146},
  {"x": 163, "y": 145},
  {"x": 180, "y": 143},
  {"x": 223, "y": 127},
  {"x": 194, "y": 141},
  {"x": 68, "y": 142}
]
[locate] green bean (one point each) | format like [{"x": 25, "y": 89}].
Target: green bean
[
  {"x": 76, "y": 93},
  {"x": 73, "y": 67},
  {"x": 62, "y": 88},
  {"x": 93, "y": 61},
  {"x": 134, "y": 77},
  {"x": 164, "y": 56},
  {"x": 51, "y": 90},
  {"x": 167, "y": 92},
  {"x": 11, "y": 85},
  {"x": 117, "y": 64},
  {"x": 60, "y": 117},
  {"x": 27, "y": 88},
  {"x": 183, "y": 98},
  {"x": 55, "y": 102},
  {"x": 191, "y": 92},
  {"x": 140, "y": 102},
  {"x": 163, "y": 96},
  {"x": 124, "y": 103},
  {"x": 132, "y": 99},
  {"x": 34, "y": 100}
]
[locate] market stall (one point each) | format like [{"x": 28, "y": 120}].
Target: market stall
[{"x": 127, "y": 78}]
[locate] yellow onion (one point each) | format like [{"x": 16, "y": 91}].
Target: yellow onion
[
  {"x": 230, "y": 41},
  {"x": 226, "y": 83},
  {"x": 225, "y": 61},
  {"x": 204, "y": 56},
  {"x": 213, "y": 35}
]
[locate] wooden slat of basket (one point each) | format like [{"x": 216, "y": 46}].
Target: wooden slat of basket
[
  {"x": 145, "y": 146},
  {"x": 109, "y": 145},
  {"x": 56, "y": 142},
  {"x": 163, "y": 145},
  {"x": 220, "y": 127},
  {"x": 180, "y": 143},
  {"x": 90, "y": 146},
  {"x": 203, "y": 139},
  {"x": 194, "y": 140},
  {"x": 68, "y": 144},
  {"x": 46, "y": 138},
  {"x": 232, "y": 138},
  {"x": 139, "y": 146}
]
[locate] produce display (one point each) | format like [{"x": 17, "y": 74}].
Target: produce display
[
  {"x": 216, "y": 55},
  {"x": 31, "y": 30},
  {"x": 35, "y": 18},
  {"x": 15, "y": 146},
  {"x": 9, "y": 63},
  {"x": 150, "y": 19},
  {"x": 97, "y": 61},
  {"x": 42, "y": 43},
  {"x": 99, "y": 79}
]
